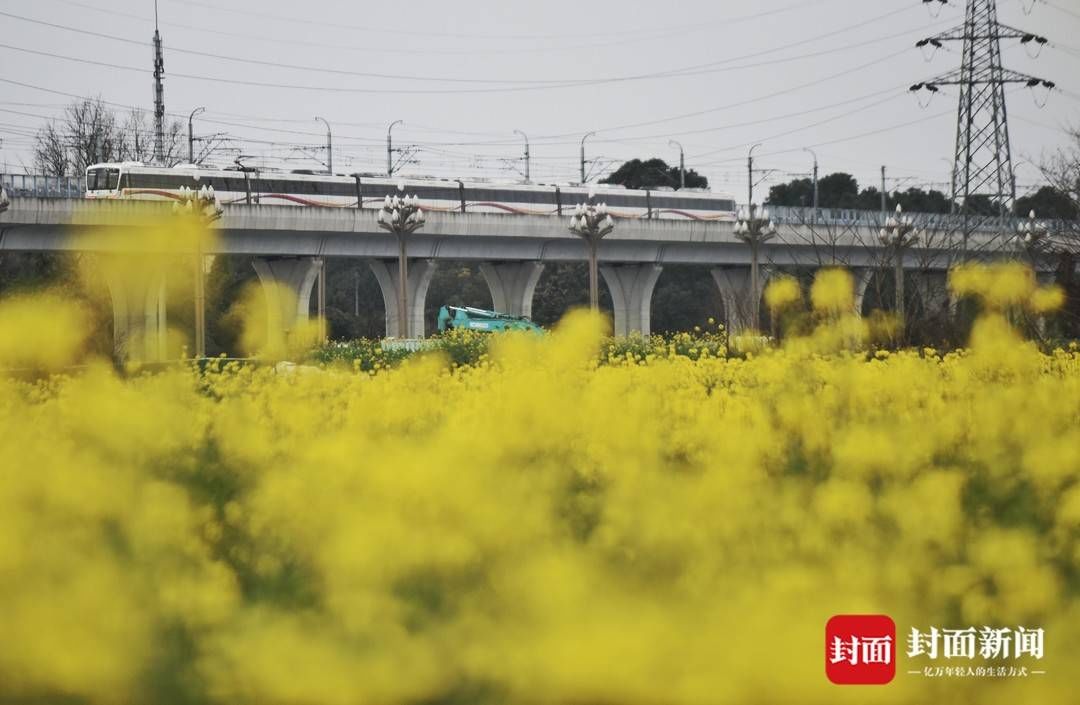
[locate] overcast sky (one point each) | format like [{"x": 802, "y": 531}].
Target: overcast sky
[{"x": 463, "y": 75}]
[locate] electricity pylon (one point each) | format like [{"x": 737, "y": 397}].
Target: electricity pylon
[{"x": 983, "y": 175}]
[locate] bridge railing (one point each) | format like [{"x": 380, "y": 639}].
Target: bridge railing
[
  {"x": 41, "y": 186},
  {"x": 840, "y": 217}
]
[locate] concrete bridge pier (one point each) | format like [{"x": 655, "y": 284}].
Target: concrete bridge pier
[
  {"x": 512, "y": 285},
  {"x": 861, "y": 277},
  {"x": 631, "y": 287},
  {"x": 420, "y": 273},
  {"x": 137, "y": 289},
  {"x": 934, "y": 294},
  {"x": 739, "y": 301},
  {"x": 287, "y": 283}
]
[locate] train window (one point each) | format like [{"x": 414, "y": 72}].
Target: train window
[
  {"x": 143, "y": 181},
  {"x": 435, "y": 193},
  {"x": 102, "y": 179},
  {"x": 339, "y": 188},
  {"x": 510, "y": 196},
  {"x": 238, "y": 185},
  {"x": 378, "y": 191}
]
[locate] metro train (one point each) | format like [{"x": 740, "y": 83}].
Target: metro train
[{"x": 133, "y": 180}]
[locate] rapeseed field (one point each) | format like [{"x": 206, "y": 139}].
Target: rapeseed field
[{"x": 547, "y": 525}]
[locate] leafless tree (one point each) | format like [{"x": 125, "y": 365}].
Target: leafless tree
[
  {"x": 1062, "y": 171},
  {"x": 86, "y": 134},
  {"x": 89, "y": 132},
  {"x": 51, "y": 155}
]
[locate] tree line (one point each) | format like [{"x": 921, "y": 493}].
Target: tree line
[{"x": 841, "y": 190}]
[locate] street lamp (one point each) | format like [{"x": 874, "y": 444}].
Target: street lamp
[
  {"x": 591, "y": 222},
  {"x": 1030, "y": 235},
  {"x": 390, "y": 147},
  {"x": 191, "y": 134},
  {"x": 898, "y": 234},
  {"x": 526, "y": 138},
  {"x": 755, "y": 231},
  {"x": 329, "y": 147},
  {"x": 682, "y": 163},
  {"x": 402, "y": 215},
  {"x": 587, "y": 136},
  {"x": 201, "y": 204}
]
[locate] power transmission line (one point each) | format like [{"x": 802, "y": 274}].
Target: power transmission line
[
  {"x": 513, "y": 85},
  {"x": 473, "y": 49},
  {"x": 1065, "y": 10},
  {"x": 841, "y": 140},
  {"x": 501, "y": 36}
]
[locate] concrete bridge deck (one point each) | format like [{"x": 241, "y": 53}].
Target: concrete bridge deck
[{"x": 290, "y": 244}]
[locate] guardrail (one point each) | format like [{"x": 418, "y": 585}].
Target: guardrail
[{"x": 40, "y": 186}]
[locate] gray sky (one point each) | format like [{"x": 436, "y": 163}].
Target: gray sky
[{"x": 766, "y": 71}]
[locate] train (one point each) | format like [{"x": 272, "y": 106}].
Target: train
[{"x": 134, "y": 180}]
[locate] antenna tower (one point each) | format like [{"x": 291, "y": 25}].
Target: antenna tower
[
  {"x": 159, "y": 94},
  {"x": 983, "y": 178}
]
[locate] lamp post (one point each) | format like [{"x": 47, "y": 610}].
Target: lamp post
[
  {"x": 755, "y": 231},
  {"x": 591, "y": 222},
  {"x": 682, "y": 163},
  {"x": 402, "y": 216},
  {"x": 390, "y": 147},
  {"x": 329, "y": 147},
  {"x": 952, "y": 184},
  {"x": 884, "y": 194},
  {"x": 191, "y": 134},
  {"x": 202, "y": 204},
  {"x": 587, "y": 136},
  {"x": 321, "y": 295},
  {"x": 526, "y": 138},
  {"x": 814, "y": 155},
  {"x": 750, "y": 177},
  {"x": 1030, "y": 235},
  {"x": 898, "y": 234}
]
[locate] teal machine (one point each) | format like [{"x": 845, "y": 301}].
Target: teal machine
[{"x": 478, "y": 319}]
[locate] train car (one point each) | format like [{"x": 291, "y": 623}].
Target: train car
[{"x": 131, "y": 180}]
